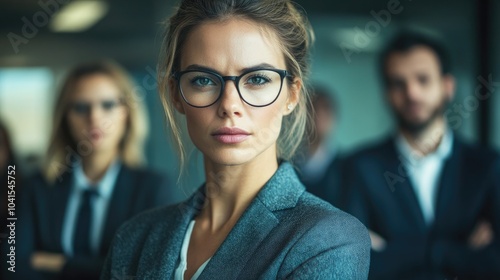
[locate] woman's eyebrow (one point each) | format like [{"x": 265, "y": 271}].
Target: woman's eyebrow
[
  {"x": 200, "y": 67},
  {"x": 257, "y": 67},
  {"x": 246, "y": 69}
]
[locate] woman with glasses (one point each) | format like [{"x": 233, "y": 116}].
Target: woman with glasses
[
  {"x": 92, "y": 180},
  {"x": 235, "y": 70}
]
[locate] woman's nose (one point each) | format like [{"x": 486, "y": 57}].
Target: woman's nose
[{"x": 230, "y": 101}]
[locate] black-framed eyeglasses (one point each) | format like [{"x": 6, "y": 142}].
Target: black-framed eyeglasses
[
  {"x": 256, "y": 87},
  {"x": 83, "y": 108}
]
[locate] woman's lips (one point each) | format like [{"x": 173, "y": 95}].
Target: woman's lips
[
  {"x": 231, "y": 138},
  {"x": 95, "y": 134},
  {"x": 230, "y": 135}
]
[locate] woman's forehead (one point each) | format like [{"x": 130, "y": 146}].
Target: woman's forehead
[
  {"x": 231, "y": 45},
  {"x": 96, "y": 86}
]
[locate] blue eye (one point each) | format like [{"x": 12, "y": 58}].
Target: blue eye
[
  {"x": 202, "y": 82},
  {"x": 258, "y": 79}
]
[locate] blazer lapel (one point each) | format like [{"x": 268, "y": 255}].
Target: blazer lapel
[
  {"x": 59, "y": 201},
  {"x": 280, "y": 192},
  {"x": 163, "y": 262},
  {"x": 403, "y": 191},
  {"x": 252, "y": 227},
  {"x": 119, "y": 207},
  {"x": 448, "y": 185}
]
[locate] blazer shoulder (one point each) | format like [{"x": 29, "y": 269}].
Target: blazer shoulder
[
  {"x": 330, "y": 236},
  {"x": 323, "y": 217},
  {"x": 371, "y": 150},
  {"x": 37, "y": 184},
  {"x": 476, "y": 155}
]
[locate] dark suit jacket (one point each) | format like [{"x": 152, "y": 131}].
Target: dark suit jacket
[
  {"x": 329, "y": 187},
  {"x": 42, "y": 213},
  {"x": 382, "y": 197},
  {"x": 284, "y": 233}
]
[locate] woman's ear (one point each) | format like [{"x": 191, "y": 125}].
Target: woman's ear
[
  {"x": 175, "y": 96},
  {"x": 293, "y": 96}
]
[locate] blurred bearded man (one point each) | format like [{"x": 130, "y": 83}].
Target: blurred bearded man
[{"x": 430, "y": 200}]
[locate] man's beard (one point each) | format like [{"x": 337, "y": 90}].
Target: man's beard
[{"x": 416, "y": 128}]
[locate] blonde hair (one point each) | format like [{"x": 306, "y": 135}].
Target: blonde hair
[
  {"x": 293, "y": 32},
  {"x": 62, "y": 147}
]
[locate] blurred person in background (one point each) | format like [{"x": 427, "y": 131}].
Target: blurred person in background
[
  {"x": 92, "y": 181},
  {"x": 430, "y": 200},
  {"x": 319, "y": 164}
]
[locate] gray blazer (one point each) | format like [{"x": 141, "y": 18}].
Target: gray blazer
[{"x": 285, "y": 233}]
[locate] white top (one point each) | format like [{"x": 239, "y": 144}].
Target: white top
[
  {"x": 99, "y": 204},
  {"x": 425, "y": 172},
  {"x": 179, "y": 272}
]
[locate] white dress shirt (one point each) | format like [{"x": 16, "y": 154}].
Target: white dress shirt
[
  {"x": 425, "y": 172},
  {"x": 179, "y": 272},
  {"x": 99, "y": 206}
]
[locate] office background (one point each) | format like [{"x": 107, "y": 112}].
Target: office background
[{"x": 349, "y": 35}]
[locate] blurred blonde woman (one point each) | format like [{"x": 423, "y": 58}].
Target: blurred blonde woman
[
  {"x": 235, "y": 70},
  {"x": 92, "y": 180}
]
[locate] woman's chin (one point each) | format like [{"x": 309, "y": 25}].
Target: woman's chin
[
  {"x": 230, "y": 157},
  {"x": 101, "y": 146}
]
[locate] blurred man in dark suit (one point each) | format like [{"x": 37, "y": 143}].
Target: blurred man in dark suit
[
  {"x": 319, "y": 164},
  {"x": 431, "y": 200}
]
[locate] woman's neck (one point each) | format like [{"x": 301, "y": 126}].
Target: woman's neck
[
  {"x": 230, "y": 189},
  {"x": 96, "y": 164}
]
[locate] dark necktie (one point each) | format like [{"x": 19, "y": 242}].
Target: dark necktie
[{"x": 81, "y": 235}]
